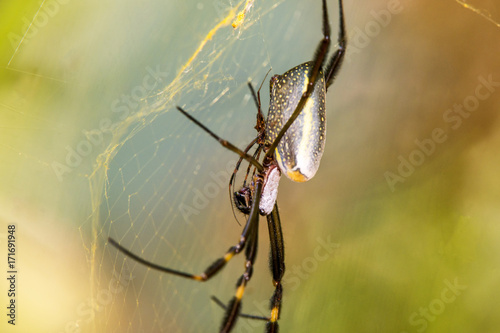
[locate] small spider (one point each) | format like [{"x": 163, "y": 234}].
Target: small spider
[{"x": 292, "y": 139}]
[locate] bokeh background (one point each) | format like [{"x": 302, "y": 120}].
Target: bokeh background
[{"x": 388, "y": 237}]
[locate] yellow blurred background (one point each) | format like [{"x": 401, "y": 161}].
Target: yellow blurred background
[{"x": 398, "y": 231}]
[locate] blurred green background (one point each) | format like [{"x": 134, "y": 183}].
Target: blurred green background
[{"x": 398, "y": 231}]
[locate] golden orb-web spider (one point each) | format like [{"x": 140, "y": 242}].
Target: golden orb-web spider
[{"x": 293, "y": 139}]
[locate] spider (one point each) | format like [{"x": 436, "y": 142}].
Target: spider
[{"x": 292, "y": 139}]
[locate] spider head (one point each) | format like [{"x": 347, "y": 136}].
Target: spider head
[{"x": 243, "y": 200}]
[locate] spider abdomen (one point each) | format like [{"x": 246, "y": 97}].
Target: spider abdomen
[{"x": 300, "y": 150}]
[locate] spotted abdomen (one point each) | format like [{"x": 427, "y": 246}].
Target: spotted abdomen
[{"x": 300, "y": 150}]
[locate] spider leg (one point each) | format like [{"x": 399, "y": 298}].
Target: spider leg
[
  {"x": 260, "y": 126},
  {"x": 256, "y": 99},
  {"x": 336, "y": 60},
  {"x": 219, "y": 263},
  {"x": 233, "y": 176},
  {"x": 277, "y": 257},
  {"x": 242, "y": 315},
  {"x": 226, "y": 144},
  {"x": 319, "y": 59},
  {"x": 234, "y": 306},
  {"x": 277, "y": 266}
]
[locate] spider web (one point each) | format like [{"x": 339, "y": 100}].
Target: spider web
[
  {"x": 90, "y": 89},
  {"x": 159, "y": 186},
  {"x": 484, "y": 9}
]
